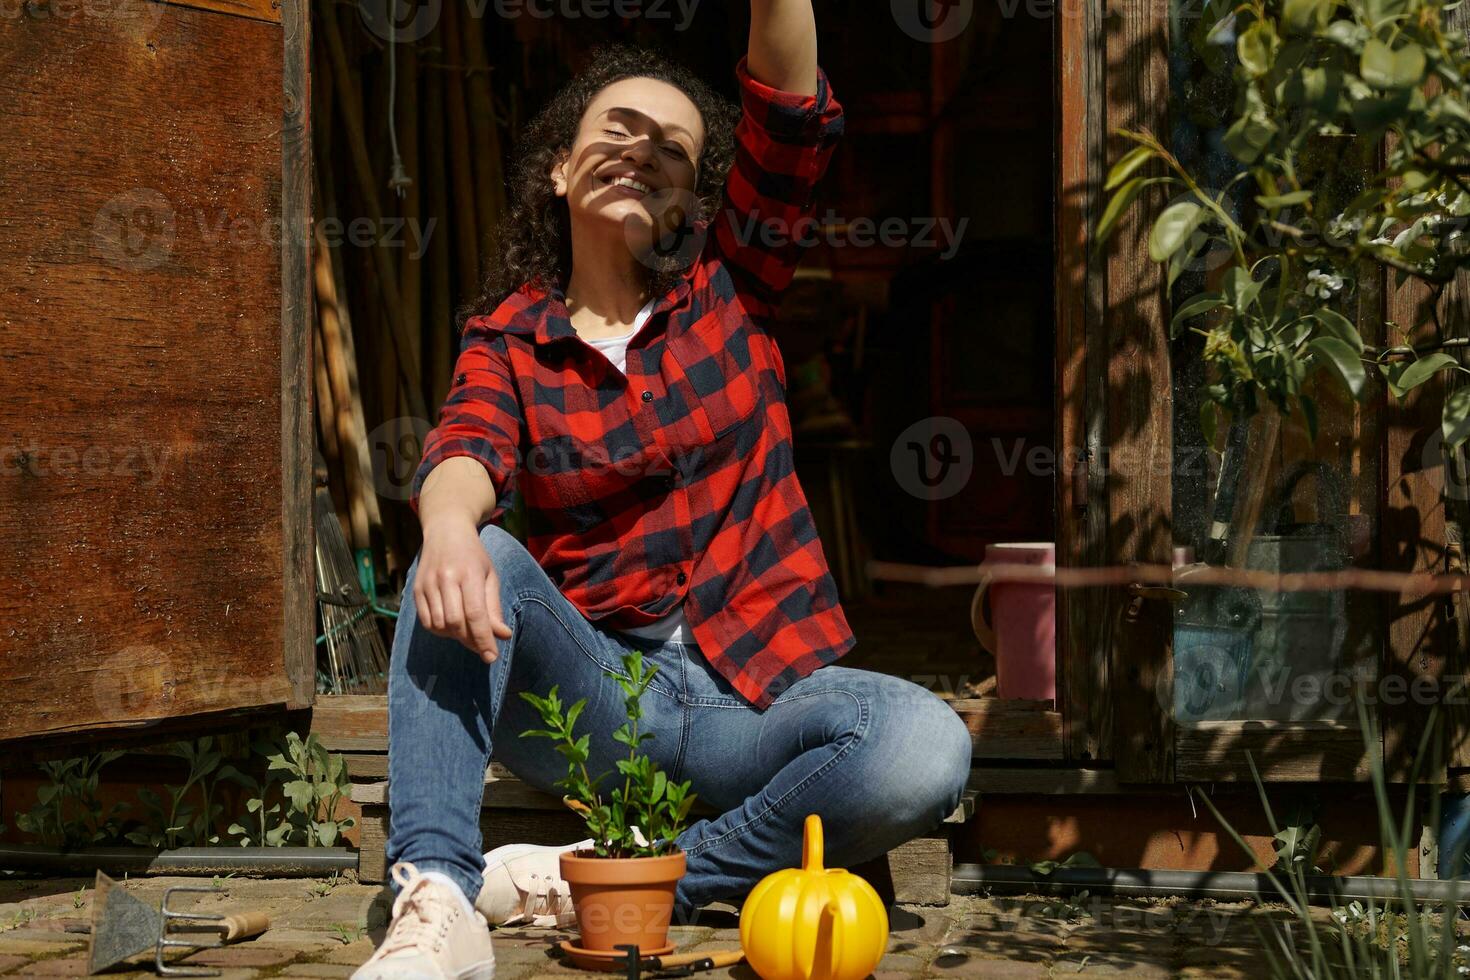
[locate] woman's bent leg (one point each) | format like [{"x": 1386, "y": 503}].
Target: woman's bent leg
[
  {"x": 447, "y": 709},
  {"x": 879, "y": 759}
]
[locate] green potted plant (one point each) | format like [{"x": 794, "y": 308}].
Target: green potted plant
[{"x": 623, "y": 886}]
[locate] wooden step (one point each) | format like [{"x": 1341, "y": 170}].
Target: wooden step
[{"x": 917, "y": 872}]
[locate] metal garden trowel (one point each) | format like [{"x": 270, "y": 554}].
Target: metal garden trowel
[{"x": 123, "y": 926}]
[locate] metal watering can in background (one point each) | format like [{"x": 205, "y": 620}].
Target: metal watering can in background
[
  {"x": 1243, "y": 653},
  {"x": 1302, "y": 634}
]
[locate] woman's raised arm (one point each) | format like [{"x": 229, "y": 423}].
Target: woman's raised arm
[{"x": 783, "y": 45}]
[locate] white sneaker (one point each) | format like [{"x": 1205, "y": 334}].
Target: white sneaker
[
  {"x": 432, "y": 937},
  {"x": 524, "y": 886}
]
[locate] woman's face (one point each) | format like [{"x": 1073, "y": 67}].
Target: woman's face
[{"x": 634, "y": 159}]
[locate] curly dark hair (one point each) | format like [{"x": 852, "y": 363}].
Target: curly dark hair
[{"x": 534, "y": 239}]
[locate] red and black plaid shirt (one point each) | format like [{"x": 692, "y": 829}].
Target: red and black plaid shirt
[{"x": 675, "y": 482}]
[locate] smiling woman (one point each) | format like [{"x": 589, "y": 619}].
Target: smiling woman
[
  {"x": 663, "y": 513},
  {"x": 693, "y": 129}
]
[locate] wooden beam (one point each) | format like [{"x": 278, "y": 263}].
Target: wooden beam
[
  {"x": 1007, "y": 729},
  {"x": 1081, "y": 365},
  {"x": 1283, "y": 751},
  {"x": 298, "y": 577},
  {"x": 1140, "y": 448}
]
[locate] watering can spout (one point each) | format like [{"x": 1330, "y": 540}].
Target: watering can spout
[{"x": 823, "y": 966}]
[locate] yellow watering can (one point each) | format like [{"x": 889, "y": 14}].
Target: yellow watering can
[{"x": 813, "y": 923}]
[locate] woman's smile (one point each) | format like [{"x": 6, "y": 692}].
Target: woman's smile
[{"x": 628, "y": 183}]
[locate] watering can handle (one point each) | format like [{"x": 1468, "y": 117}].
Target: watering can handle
[
  {"x": 811, "y": 843},
  {"x": 980, "y": 613}
]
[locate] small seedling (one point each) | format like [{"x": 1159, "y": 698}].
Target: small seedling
[
  {"x": 347, "y": 934},
  {"x": 23, "y": 917},
  {"x": 323, "y": 888}
]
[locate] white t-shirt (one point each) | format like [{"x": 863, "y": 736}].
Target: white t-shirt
[{"x": 615, "y": 349}]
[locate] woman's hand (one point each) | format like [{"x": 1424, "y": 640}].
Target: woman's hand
[{"x": 457, "y": 589}]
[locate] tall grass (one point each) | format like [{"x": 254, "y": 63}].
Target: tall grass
[{"x": 1392, "y": 939}]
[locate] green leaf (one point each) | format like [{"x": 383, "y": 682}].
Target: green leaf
[
  {"x": 1306, "y": 16},
  {"x": 1209, "y": 421},
  {"x": 1241, "y": 290},
  {"x": 1334, "y": 324},
  {"x": 1125, "y": 166},
  {"x": 1383, "y": 67},
  {"x": 1343, "y": 360},
  {"x": 1456, "y": 417},
  {"x": 1256, "y": 47},
  {"x": 301, "y": 794},
  {"x": 1117, "y": 205},
  {"x": 1172, "y": 229},
  {"x": 1278, "y": 201},
  {"x": 1419, "y": 372},
  {"x": 1346, "y": 34},
  {"x": 1248, "y": 137}
]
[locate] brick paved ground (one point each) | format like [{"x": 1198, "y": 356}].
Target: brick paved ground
[{"x": 323, "y": 930}]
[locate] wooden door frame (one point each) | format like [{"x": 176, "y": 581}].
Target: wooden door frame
[{"x": 1113, "y": 491}]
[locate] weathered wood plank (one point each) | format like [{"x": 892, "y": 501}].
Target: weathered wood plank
[
  {"x": 1324, "y": 751},
  {"x": 298, "y": 579},
  {"x": 920, "y": 871},
  {"x": 269, "y": 10},
  {"x": 1003, "y": 781},
  {"x": 351, "y": 722},
  {"x": 1081, "y": 365},
  {"x": 141, "y": 458},
  {"x": 1139, "y": 462},
  {"x": 1006, "y": 729}
]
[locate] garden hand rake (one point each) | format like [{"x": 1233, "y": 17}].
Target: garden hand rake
[{"x": 123, "y": 926}]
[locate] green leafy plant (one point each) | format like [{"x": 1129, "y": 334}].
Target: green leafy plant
[
  {"x": 1351, "y": 132},
  {"x": 264, "y": 824},
  {"x": 179, "y": 822},
  {"x": 643, "y": 816},
  {"x": 347, "y": 934},
  {"x": 316, "y": 784},
  {"x": 68, "y": 812}
]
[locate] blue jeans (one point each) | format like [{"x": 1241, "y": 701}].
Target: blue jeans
[{"x": 881, "y": 759}]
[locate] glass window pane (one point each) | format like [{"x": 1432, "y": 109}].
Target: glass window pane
[{"x": 1263, "y": 494}]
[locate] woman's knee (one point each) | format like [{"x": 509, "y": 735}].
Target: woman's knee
[
  {"x": 929, "y": 779},
  {"x": 511, "y": 559}
]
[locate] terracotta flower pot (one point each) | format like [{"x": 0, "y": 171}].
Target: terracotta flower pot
[{"x": 622, "y": 900}]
